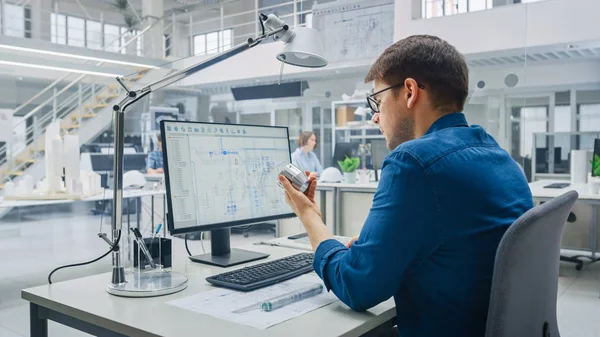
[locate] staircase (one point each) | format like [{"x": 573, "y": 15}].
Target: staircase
[{"x": 87, "y": 112}]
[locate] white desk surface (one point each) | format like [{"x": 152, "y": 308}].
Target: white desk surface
[
  {"x": 538, "y": 190},
  {"x": 108, "y": 195},
  {"x": 87, "y": 299},
  {"x": 370, "y": 185}
]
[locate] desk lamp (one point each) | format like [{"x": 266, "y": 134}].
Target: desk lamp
[{"x": 303, "y": 47}]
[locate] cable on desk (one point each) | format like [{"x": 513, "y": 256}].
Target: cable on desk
[
  {"x": 113, "y": 248},
  {"x": 201, "y": 243}
]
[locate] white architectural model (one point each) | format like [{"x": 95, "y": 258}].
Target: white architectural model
[{"x": 60, "y": 154}]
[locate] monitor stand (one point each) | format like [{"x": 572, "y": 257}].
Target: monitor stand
[{"x": 222, "y": 255}]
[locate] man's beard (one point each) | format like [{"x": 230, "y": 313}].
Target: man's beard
[{"x": 404, "y": 133}]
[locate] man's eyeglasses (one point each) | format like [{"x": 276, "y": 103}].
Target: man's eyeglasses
[{"x": 374, "y": 104}]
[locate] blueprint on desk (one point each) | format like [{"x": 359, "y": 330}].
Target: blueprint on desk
[{"x": 223, "y": 303}]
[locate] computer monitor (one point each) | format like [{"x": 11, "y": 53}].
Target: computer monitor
[
  {"x": 105, "y": 162},
  {"x": 158, "y": 113},
  {"x": 379, "y": 151},
  {"x": 343, "y": 150},
  {"x": 222, "y": 175}
]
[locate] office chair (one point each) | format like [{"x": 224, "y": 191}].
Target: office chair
[{"x": 525, "y": 282}]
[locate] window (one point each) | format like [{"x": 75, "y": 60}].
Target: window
[
  {"x": 75, "y": 31},
  {"x": 435, "y": 8},
  {"x": 200, "y": 44},
  {"x": 533, "y": 120},
  {"x": 14, "y": 20},
  {"x": 93, "y": 30},
  {"x": 58, "y": 29},
  {"x": 214, "y": 42},
  {"x": 562, "y": 123},
  {"x": 589, "y": 117},
  {"x": 111, "y": 37}
]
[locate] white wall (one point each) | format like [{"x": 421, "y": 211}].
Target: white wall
[
  {"x": 549, "y": 76},
  {"x": 506, "y": 27}
]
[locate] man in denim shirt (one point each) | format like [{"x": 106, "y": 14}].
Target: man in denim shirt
[{"x": 446, "y": 196}]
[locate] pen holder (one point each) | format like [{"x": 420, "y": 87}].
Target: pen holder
[{"x": 160, "y": 249}]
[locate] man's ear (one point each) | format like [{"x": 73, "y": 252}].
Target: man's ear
[{"x": 411, "y": 92}]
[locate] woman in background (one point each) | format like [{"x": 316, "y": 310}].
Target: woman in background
[{"x": 304, "y": 157}]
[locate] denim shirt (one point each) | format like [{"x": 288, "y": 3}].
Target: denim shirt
[
  {"x": 443, "y": 203},
  {"x": 155, "y": 160},
  {"x": 306, "y": 162}
]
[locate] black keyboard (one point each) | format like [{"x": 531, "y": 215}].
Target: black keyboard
[{"x": 264, "y": 274}]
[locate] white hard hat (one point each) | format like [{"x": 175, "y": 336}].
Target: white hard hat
[{"x": 331, "y": 175}]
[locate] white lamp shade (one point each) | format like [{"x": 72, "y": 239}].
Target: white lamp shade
[{"x": 304, "y": 50}]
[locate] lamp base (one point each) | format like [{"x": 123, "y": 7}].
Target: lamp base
[{"x": 149, "y": 284}]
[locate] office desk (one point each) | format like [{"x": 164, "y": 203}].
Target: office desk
[
  {"x": 85, "y": 305},
  {"x": 540, "y": 193}
]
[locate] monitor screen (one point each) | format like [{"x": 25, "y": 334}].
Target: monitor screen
[
  {"x": 223, "y": 175},
  {"x": 379, "y": 151},
  {"x": 343, "y": 150}
]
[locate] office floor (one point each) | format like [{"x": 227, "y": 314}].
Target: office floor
[{"x": 32, "y": 243}]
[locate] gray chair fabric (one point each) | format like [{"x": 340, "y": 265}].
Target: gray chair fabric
[{"x": 525, "y": 282}]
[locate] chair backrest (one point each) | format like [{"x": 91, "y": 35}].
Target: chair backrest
[{"x": 525, "y": 282}]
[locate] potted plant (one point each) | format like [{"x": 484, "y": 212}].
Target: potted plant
[
  {"x": 349, "y": 166},
  {"x": 594, "y": 179}
]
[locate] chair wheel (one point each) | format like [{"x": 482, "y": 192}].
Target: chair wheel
[
  {"x": 245, "y": 235},
  {"x": 579, "y": 266}
]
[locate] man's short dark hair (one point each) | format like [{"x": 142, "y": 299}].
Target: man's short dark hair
[
  {"x": 433, "y": 63},
  {"x": 159, "y": 138}
]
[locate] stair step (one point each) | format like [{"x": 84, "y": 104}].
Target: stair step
[
  {"x": 16, "y": 173},
  {"x": 39, "y": 149},
  {"x": 29, "y": 161},
  {"x": 95, "y": 106},
  {"x": 1, "y": 186},
  {"x": 69, "y": 127},
  {"x": 106, "y": 97},
  {"x": 84, "y": 116}
]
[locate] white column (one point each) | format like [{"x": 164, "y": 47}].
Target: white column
[
  {"x": 40, "y": 19},
  {"x": 153, "y": 11}
]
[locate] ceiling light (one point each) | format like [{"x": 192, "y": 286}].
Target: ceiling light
[
  {"x": 75, "y": 56},
  {"x": 68, "y": 70}
]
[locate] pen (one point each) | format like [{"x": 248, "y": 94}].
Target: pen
[
  {"x": 157, "y": 230},
  {"x": 285, "y": 299},
  {"x": 293, "y": 297},
  {"x": 142, "y": 246}
]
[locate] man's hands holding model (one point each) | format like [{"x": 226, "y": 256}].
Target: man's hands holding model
[{"x": 303, "y": 204}]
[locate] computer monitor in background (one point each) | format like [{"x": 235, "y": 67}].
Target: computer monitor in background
[
  {"x": 342, "y": 150},
  {"x": 379, "y": 151},
  {"x": 158, "y": 113},
  {"x": 223, "y": 175}
]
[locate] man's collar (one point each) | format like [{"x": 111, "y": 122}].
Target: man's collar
[{"x": 448, "y": 121}]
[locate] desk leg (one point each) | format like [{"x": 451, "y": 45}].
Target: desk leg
[
  {"x": 593, "y": 230},
  {"x": 152, "y": 212},
  {"x": 138, "y": 212},
  {"x": 337, "y": 211},
  {"x": 128, "y": 213},
  {"x": 38, "y": 327}
]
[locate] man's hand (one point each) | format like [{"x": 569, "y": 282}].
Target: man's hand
[
  {"x": 354, "y": 238},
  {"x": 303, "y": 204},
  {"x": 160, "y": 170}
]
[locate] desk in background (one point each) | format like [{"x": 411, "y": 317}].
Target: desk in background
[
  {"x": 347, "y": 206},
  {"x": 85, "y": 305}
]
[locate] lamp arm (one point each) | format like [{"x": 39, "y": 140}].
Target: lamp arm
[{"x": 118, "y": 276}]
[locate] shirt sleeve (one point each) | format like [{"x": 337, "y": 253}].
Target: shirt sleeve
[
  {"x": 399, "y": 234},
  {"x": 318, "y": 165},
  {"x": 150, "y": 162}
]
